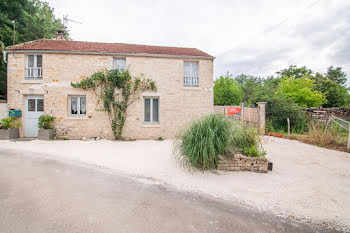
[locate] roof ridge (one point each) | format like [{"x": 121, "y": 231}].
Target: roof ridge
[
  {"x": 167, "y": 46},
  {"x": 89, "y": 46}
]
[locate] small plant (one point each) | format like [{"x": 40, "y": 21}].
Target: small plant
[
  {"x": 321, "y": 135},
  {"x": 46, "y": 122},
  {"x": 205, "y": 140},
  {"x": 247, "y": 139},
  {"x": 9, "y": 123},
  {"x": 160, "y": 139}
]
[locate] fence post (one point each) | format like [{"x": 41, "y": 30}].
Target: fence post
[
  {"x": 262, "y": 120},
  {"x": 242, "y": 112}
]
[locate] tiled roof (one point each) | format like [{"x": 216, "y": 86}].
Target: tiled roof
[{"x": 95, "y": 47}]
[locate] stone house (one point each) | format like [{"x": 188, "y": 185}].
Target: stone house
[{"x": 40, "y": 73}]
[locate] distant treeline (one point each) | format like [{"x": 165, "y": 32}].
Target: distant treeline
[{"x": 285, "y": 93}]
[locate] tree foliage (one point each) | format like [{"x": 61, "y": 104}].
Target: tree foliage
[
  {"x": 302, "y": 90},
  {"x": 336, "y": 75},
  {"x": 117, "y": 90},
  {"x": 34, "y": 20},
  {"x": 294, "y": 71},
  {"x": 227, "y": 91},
  {"x": 279, "y": 109},
  {"x": 288, "y": 92}
]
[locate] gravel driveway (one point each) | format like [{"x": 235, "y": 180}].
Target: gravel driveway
[{"x": 308, "y": 183}]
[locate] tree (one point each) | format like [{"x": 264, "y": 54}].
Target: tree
[
  {"x": 336, "y": 75},
  {"x": 302, "y": 91},
  {"x": 336, "y": 94},
  {"x": 279, "y": 109},
  {"x": 270, "y": 86},
  {"x": 251, "y": 86},
  {"x": 227, "y": 91},
  {"x": 34, "y": 20},
  {"x": 117, "y": 90},
  {"x": 294, "y": 71}
]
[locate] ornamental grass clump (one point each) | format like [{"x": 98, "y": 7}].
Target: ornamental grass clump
[{"x": 205, "y": 140}]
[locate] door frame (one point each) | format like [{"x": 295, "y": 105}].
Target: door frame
[{"x": 27, "y": 113}]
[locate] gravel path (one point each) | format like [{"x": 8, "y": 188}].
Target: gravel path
[{"x": 308, "y": 183}]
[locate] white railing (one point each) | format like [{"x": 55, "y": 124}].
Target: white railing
[
  {"x": 33, "y": 73},
  {"x": 190, "y": 81}
]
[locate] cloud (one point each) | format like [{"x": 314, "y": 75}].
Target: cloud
[
  {"x": 316, "y": 38},
  {"x": 261, "y": 36}
]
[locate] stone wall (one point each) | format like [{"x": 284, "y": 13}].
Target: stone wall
[
  {"x": 239, "y": 162},
  {"x": 178, "y": 105},
  {"x": 323, "y": 114}
]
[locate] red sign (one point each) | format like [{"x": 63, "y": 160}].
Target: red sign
[{"x": 233, "y": 110}]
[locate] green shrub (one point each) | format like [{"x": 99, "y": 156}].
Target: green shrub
[
  {"x": 247, "y": 139},
  {"x": 8, "y": 123},
  {"x": 46, "y": 122},
  {"x": 160, "y": 139},
  {"x": 279, "y": 109},
  {"x": 205, "y": 140}
]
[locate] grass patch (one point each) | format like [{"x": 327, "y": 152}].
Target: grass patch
[{"x": 332, "y": 137}]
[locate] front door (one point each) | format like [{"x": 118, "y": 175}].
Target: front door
[{"x": 34, "y": 109}]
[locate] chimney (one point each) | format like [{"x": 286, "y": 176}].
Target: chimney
[{"x": 60, "y": 35}]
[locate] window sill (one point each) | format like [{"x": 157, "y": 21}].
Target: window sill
[
  {"x": 191, "y": 88},
  {"x": 155, "y": 125},
  {"x": 28, "y": 81},
  {"x": 81, "y": 117}
]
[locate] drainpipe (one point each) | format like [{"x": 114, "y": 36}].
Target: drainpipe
[{"x": 4, "y": 56}]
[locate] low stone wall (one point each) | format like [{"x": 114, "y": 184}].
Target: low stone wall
[
  {"x": 239, "y": 162},
  {"x": 323, "y": 114}
]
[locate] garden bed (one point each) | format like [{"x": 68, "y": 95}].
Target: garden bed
[{"x": 239, "y": 162}]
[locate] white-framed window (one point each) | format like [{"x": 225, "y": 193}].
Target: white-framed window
[
  {"x": 119, "y": 63},
  {"x": 77, "y": 105},
  {"x": 34, "y": 64},
  {"x": 151, "y": 110},
  {"x": 191, "y": 73}
]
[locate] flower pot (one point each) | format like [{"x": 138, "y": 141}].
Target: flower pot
[
  {"x": 6, "y": 134},
  {"x": 46, "y": 134}
]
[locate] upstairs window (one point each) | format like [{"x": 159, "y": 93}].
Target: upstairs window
[
  {"x": 77, "y": 105},
  {"x": 119, "y": 63},
  {"x": 190, "y": 73},
  {"x": 151, "y": 110},
  {"x": 34, "y": 66}
]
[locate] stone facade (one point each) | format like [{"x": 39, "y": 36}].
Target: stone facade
[
  {"x": 4, "y": 112},
  {"x": 177, "y": 104},
  {"x": 239, "y": 162}
]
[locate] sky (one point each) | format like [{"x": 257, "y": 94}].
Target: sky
[{"x": 256, "y": 37}]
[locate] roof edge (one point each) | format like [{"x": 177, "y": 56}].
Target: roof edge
[{"x": 109, "y": 53}]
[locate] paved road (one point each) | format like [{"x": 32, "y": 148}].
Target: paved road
[{"x": 38, "y": 194}]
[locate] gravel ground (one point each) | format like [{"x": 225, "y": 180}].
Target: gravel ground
[{"x": 308, "y": 183}]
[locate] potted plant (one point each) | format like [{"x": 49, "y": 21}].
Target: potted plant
[
  {"x": 46, "y": 128},
  {"x": 9, "y": 128}
]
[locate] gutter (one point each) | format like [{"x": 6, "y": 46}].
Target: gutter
[
  {"x": 113, "y": 54},
  {"x": 4, "y": 56}
]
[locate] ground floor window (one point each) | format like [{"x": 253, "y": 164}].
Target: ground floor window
[
  {"x": 151, "y": 110},
  {"x": 77, "y": 105}
]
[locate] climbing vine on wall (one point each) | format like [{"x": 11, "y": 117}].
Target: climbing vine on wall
[{"x": 116, "y": 91}]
